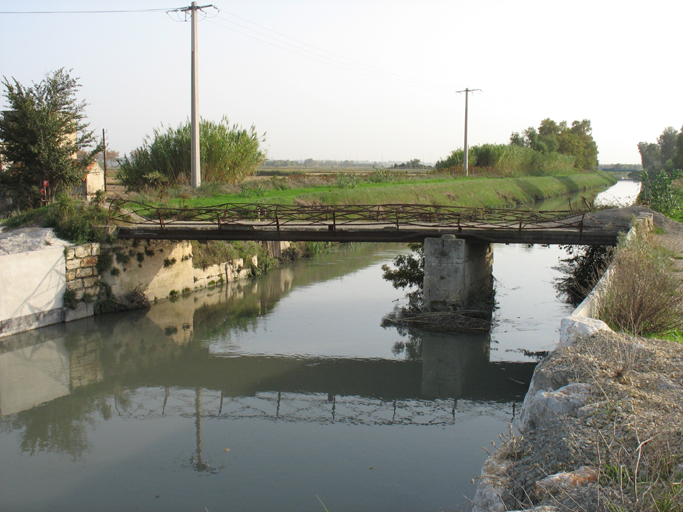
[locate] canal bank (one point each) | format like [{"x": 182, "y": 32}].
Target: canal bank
[{"x": 600, "y": 427}]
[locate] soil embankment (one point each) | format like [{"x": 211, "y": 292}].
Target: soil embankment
[{"x": 601, "y": 428}]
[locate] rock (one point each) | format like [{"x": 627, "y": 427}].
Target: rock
[
  {"x": 573, "y": 327},
  {"x": 494, "y": 480},
  {"x": 546, "y": 406},
  {"x": 563, "y": 482}
]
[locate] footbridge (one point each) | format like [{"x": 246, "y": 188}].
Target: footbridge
[
  {"x": 361, "y": 223},
  {"x": 458, "y": 241}
]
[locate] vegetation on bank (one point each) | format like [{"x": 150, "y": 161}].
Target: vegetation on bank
[
  {"x": 385, "y": 189},
  {"x": 41, "y": 132},
  {"x": 555, "y": 148},
  {"x": 228, "y": 155},
  {"x": 644, "y": 296}
]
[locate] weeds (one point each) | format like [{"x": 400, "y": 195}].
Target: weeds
[{"x": 644, "y": 296}]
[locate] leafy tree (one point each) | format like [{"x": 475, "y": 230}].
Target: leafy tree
[
  {"x": 678, "y": 155},
  {"x": 228, "y": 155},
  {"x": 551, "y": 137},
  {"x": 650, "y": 156},
  {"x": 42, "y": 132},
  {"x": 667, "y": 143},
  {"x": 667, "y": 153}
]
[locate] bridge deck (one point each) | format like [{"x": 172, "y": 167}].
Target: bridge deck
[
  {"x": 372, "y": 234},
  {"x": 366, "y": 223}
]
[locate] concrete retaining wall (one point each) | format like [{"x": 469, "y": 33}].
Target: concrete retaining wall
[
  {"x": 457, "y": 274},
  {"x": 33, "y": 285}
]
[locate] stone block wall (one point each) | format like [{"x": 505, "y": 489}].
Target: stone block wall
[{"x": 81, "y": 270}]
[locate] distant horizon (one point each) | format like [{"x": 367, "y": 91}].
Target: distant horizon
[{"x": 361, "y": 79}]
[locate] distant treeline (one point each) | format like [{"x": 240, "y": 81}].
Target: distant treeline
[
  {"x": 552, "y": 148},
  {"x": 508, "y": 160},
  {"x": 666, "y": 154},
  {"x": 620, "y": 167}
]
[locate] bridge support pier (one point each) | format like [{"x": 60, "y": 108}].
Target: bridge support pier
[{"x": 458, "y": 274}]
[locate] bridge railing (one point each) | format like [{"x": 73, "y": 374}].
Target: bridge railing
[{"x": 340, "y": 216}]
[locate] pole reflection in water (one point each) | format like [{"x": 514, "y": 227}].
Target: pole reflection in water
[{"x": 275, "y": 391}]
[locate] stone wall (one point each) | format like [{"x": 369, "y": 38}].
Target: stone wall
[
  {"x": 82, "y": 279},
  {"x": 160, "y": 268}
]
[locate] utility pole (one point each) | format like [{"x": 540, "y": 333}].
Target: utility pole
[
  {"x": 467, "y": 93},
  {"x": 104, "y": 159},
  {"x": 196, "y": 178}
]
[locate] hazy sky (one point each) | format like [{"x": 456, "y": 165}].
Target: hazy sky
[{"x": 364, "y": 80}]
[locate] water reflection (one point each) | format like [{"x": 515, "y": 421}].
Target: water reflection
[{"x": 160, "y": 364}]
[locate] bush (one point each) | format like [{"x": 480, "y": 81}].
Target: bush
[
  {"x": 644, "y": 296},
  {"x": 659, "y": 193},
  {"x": 505, "y": 160},
  {"x": 228, "y": 155},
  {"x": 73, "y": 220}
]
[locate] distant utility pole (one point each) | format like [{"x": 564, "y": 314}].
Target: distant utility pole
[
  {"x": 104, "y": 159},
  {"x": 196, "y": 179},
  {"x": 467, "y": 93}
]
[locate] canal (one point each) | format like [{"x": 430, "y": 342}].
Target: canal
[{"x": 284, "y": 393}]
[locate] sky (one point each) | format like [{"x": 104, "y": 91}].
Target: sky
[{"x": 368, "y": 80}]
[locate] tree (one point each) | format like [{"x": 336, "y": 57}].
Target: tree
[
  {"x": 667, "y": 153},
  {"x": 551, "y": 137},
  {"x": 667, "y": 144},
  {"x": 678, "y": 156},
  {"x": 650, "y": 156},
  {"x": 42, "y": 132},
  {"x": 228, "y": 155}
]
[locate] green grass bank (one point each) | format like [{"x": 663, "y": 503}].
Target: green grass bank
[
  {"x": 467, "y": 192},
  {"x": 492, "y": 192}
]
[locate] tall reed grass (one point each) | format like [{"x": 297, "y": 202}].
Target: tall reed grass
[
  {"x": 509, "y": 161},
  {"x": 228, "y": 155}
]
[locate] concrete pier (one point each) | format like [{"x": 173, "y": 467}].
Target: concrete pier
[{"x": 457, "y": 274}]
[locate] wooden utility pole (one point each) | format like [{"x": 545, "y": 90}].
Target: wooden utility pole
[
  {"x": 104, "y": 159},
  {"x": 467, "y": 93},
  {"x": 196, "y": 178}
]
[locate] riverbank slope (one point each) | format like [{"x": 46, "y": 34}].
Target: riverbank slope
[{"x": 601, "y": 428}]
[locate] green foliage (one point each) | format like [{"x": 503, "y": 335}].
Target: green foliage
[
  {"x": 347, "y": 180},
  {"x": 509, "y": 160},
  {"x": 551, "y": 137},
  {"x": 666, "y": 154},
  {"x": 582, "y": 270},
  {"x": 409, "y": 272},
  {"x": 70, "y": 300},
  {"x": 659, "y": 192},
  {"x": 42, "y": 131},
  {"x": 73, "y": 220},
  {"x": 104, "y": 261},
  {"x": 228, "y": 155}
]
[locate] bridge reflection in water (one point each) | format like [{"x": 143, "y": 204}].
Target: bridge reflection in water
[{"x": 54, "y": 381}]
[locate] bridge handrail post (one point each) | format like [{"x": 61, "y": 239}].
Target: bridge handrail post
[{"x": 277, "y": 220}]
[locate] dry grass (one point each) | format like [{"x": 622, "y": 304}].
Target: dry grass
[{"x": 644, "y": 296}]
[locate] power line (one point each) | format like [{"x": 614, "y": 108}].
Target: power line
[
  {"x": 370, "y": 72},
  {"x": 334, "y": 56},
  {"x": 84, "y": 12}
]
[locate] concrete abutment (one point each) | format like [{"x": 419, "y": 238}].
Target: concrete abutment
[{"x": 457, "y": 274}]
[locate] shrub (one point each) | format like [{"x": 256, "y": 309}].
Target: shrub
[
  {"x": 659, "y": 193},
  {"x": 644, "y": 296},
  {"x": 228, "y": 155}
]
